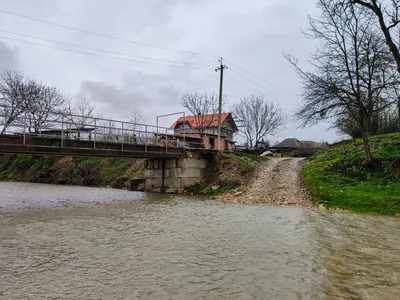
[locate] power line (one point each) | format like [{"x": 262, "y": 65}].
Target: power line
[
  {"x": 104, "y": 35},
  {"x": 256, "y": 84},
  {"x": 259, "y": 78},
  {"x": 104, "y": 56},
  {"x": 245, "y": 84},
  {"x": 101, "y": 50}
]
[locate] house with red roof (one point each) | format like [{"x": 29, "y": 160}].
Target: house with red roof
[{"x": 205, "y": 129}]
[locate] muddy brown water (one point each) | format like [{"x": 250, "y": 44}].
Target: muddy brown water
[{"x": 59, "y": 242}]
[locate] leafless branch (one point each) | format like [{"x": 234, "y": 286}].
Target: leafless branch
[
  {"x": 353, "y": 75},
  {"x": 258, "y": 118},
  {"x": 201, "y": 105}
]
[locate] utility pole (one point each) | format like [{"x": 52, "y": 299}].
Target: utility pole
[{"x": 221, "y": 68}]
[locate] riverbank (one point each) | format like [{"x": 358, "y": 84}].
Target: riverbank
[
  {"x": 80, "y": 171},
  {"x": 336, "y": 178},
  {"x": 232, "y": 170}
]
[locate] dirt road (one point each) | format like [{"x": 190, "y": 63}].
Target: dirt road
[{"x": 276, "y": 182}]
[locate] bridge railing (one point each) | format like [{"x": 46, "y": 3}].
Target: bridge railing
[{"x": 62, "y": 126}]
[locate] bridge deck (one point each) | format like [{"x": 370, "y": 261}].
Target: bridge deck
[{"x": 37, "y": 145}]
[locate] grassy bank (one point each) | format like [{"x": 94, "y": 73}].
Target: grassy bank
[
  {"x": 114, "y": 172},
  {"x": 233, "y": 170},
  {"x": 336, "y": 177}
]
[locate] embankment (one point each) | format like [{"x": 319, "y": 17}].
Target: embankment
[
  {"x": 337, "y": 178},
  {"x": 276, "y": 182},
  {"x": 101, "y": 172},
  {"x": 232, "y": 170}
]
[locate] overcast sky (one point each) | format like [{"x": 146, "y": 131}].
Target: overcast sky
[{"x": 250, "y": 34}]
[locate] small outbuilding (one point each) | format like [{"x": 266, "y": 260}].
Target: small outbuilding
[{"x": 294, "y": 147}]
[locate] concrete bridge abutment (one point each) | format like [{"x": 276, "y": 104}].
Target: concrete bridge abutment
[{"x": 173, "y": 175}]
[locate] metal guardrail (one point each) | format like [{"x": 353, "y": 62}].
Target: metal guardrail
[{"x": 65, "y": 127}]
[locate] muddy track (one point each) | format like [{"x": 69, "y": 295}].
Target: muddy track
[{"x": 276, "y": 182}]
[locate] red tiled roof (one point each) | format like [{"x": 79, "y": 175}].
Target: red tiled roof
[{"x": 206, "y": 120}]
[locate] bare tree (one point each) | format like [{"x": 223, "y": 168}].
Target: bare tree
[
  {"x": 80, "y": 113},
  {"x": 136, "y": 119},
  {"x": 258, "y": 118},
  {"x": 353, "y": 74},
  {"x": 203, "y": 106},
  {"x": 15, "y": 94},
  {"x": 385, "y": 121},
  {"x": 42, "y": 110},
  {"x": 388, "y": 15}
]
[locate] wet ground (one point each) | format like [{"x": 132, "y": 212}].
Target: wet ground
[{"x": 275, "y": 182}]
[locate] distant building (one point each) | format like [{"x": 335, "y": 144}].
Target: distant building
[
  {"x": 205, "y": 128},
  {"x": 294, "y": 147}
]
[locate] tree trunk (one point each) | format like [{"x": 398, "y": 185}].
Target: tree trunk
[
  {"x": 9, "y": 121},
  {"x": 398, "y": 107},
  {"x": 368, "y": 155},
  {"x": 367, "y": 149}
]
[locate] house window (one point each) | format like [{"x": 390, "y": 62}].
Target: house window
[{"x": 183, "y": 126}]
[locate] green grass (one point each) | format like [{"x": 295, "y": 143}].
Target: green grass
[
  {"x": 43, "y": 162},
  {"x": 246, "y": 155},
  {"x": 203, "y": 189},
  {"x": 90, "y": 161},
  {"x": 6, "y": 161},
  {"x": 14, "y": 167},
  {"x": 221, "y": 190},
  {"x": 108, "y": 175},
  {"x": 245, "y": 161},
  {"x": 336, "y": 177},
  {"x": 197, "y": 188},
  {"x": 244, "y": 164},
  {"x": 103, "y": 171},
  {"x": 287, "y": 159}
]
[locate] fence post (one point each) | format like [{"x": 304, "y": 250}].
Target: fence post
[
  {"x": 166, "y": 140},
  {"x": 145, "y": 139},
  {"x": 24, "y": 140},
  {"x": 109, "y": 132},
  {"x": 157, "y": 132},
  {"x": 122, "y": 146},
  {"x": 184, "y": 130},
  {"x": 62, "y": 131},
  {"x": 94, "y": 134}
]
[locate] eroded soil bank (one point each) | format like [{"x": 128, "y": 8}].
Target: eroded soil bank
[
  {"x": 241, "y": 178},
  {"x": 275, "y": 182},
  {"x": 80, "y": 171}
]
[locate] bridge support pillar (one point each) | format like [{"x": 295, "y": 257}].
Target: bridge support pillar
[{"x": 173, "y": 175}]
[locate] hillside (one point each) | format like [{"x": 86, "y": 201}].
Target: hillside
[{"x": 336, "y": 178}]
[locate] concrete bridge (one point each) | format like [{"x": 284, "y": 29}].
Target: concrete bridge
[
  {"x": 174, "y": 161},
  {"x": 50, "y": 145}
]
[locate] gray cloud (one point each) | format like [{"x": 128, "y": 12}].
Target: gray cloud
[
  {"x": 251, "y": 34},
  {"x": 120, "y": 102},
  {"x": 8, "y": 57}
]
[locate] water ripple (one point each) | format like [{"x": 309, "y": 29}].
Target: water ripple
[{"x": 132, "y": 246}]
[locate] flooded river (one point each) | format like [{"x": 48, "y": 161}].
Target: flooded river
[{"x": 60, "y": 242}]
